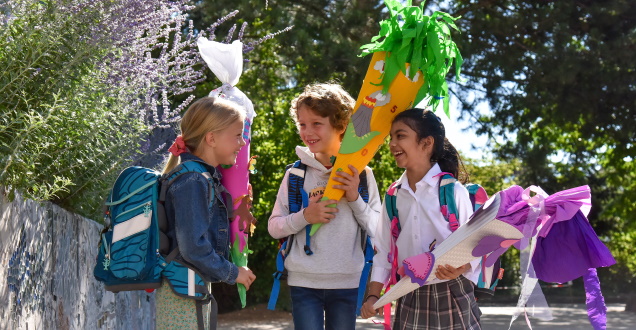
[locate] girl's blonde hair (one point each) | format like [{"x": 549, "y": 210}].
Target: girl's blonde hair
[{"x": 208, "y": 114}]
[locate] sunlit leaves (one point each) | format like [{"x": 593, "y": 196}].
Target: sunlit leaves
[{"x": 559, "y": 79}]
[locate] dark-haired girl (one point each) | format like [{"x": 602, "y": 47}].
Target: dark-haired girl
[{"x": 419, "y": 145}]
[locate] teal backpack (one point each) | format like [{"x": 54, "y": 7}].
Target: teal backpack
[
  {"x": 298, "y": 198},
  {"x": 134, "y": 249},
  {"x": 489, "y": 276}
]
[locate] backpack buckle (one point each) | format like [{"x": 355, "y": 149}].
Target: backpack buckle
[{"x": 280, "y": 275}]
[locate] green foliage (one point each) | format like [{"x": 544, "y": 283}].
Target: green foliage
[
  {"x": 322, "y": 46},
  {"x": 492, "y": 174},
  {"x": 42, "y": 55},
  {"x": 559, "y": 79},
  {"x": 61, "y": 137},
  {"x": 623, "y": 248},
  {"x": 384, "y": 169}
]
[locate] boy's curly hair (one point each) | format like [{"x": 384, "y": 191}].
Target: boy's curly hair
[{"x": 326, "y": 100}]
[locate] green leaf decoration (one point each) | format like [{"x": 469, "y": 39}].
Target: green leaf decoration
[
  {"x": 409, "y": 36},
  {"x": 240, "y": 259},
  {"x": 352, "y": 143}
]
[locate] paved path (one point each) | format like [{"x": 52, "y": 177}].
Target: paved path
[{"x": 566, "y": 316}]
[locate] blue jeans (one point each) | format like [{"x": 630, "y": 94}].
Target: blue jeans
[{"x": 318, "y": 309}]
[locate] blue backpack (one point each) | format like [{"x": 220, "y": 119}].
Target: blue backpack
[
  {"x": 134, "y": 249},
  {"x": 298, "y": 198},
  {"x": 489, "y": 276}
]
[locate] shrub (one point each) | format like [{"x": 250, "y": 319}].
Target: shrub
[{"x": 88, "y": 88}]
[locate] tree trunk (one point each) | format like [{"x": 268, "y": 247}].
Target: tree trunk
[{"x": 631, "y": 303}]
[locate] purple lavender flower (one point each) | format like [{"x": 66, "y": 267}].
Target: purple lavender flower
[{"x": 150, "y": 57}]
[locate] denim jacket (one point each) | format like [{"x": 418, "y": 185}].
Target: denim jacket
[{"x": 200, "y": 228}]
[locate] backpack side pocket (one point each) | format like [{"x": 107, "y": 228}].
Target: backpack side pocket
[
  {"x": 185, "y": 282},
  {"x": 102, "y": 266}
]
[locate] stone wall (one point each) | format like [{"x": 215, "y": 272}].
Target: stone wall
[{"x": 47, "y": 257}]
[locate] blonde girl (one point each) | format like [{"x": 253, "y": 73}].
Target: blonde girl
[{"x": 198, "y": 224}]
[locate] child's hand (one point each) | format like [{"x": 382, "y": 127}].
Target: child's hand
[
  {"x": 349, "y": 182},
  {"x": 367, "y": 309},
  {"x": 245, "y": 277},
  {"x": 318, "y": 211},
  {"x": 447, "y": 272}
]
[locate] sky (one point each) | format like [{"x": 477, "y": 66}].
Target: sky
[
  {"x": 462, "y": 139},
  {"x": 460, "y": 134}
]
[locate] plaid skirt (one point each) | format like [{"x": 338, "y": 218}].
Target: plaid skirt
[{"x": 448, "y": 305}]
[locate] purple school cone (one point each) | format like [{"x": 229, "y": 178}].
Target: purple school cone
[
  {"x": 566, "y": 246},
  {"x": 226, "y": 61}
]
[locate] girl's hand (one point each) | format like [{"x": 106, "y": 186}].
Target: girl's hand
[
  {"x": 447, "y": 272},
  {"x": 245, "y": 277},
  {"x": 350, "y": 183},
  {"x": 318, "y": 211},
  {"x": 367, "y": 309}
]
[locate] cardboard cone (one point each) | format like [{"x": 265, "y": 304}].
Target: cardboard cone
[{"x": 371, "y": 120}]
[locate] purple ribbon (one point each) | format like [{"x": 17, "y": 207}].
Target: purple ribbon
[
  {"x": 596, "y": 309},
  {"x": 531, "y": 294}
]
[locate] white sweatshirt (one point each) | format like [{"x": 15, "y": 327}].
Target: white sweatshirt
[{"x": 338, "y": 258}]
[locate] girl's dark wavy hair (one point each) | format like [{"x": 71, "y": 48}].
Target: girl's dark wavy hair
[{"x": 425, "y": 123}]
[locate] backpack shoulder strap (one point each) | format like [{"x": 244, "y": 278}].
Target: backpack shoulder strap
[
  {"x": 296, "y": 195},
  {"x": 166, "y": 180},
  {"x": 390, "y": 201},
  {"x": 390, "y": 198},
  {"x": 478, "y": 195},
  {"x": 447, "y": 204},
  {"x": 367, "y": 246},
  {"x": 363, "y": 188},
  {"x": 181, "y": 169}
]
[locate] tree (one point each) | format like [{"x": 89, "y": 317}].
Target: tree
[
  {"x": 82, "y": 85},
  {"x": 60, "y": 129},
  {"x": 324, "y": 42},
  {"x": 561, "y": 84}
]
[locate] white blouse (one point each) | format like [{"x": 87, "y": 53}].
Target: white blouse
[{"x": 423, "y": 225}]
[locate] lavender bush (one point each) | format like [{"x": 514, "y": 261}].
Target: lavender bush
[{"x": 89, "y": 87}]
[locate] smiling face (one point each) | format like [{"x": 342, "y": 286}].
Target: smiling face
[
  {"x": 408, "y": 150},
  {"x": 227, "y": 143},
  {"x": 317, "y": 133}
]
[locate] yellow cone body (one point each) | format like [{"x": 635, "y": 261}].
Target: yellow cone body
[{"x": 382, "y": 109}]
